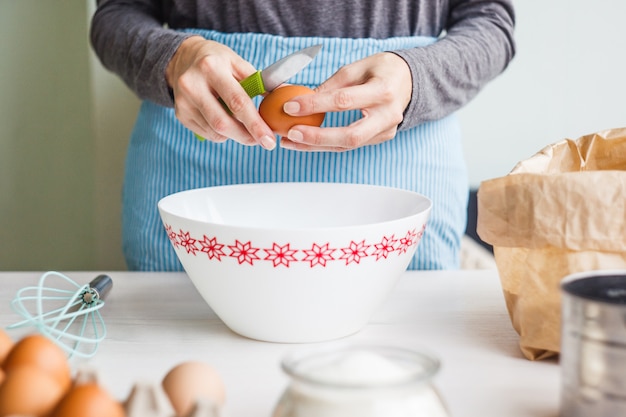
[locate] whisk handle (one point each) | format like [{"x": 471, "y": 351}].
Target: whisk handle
[{"x": 101, "y": 284}]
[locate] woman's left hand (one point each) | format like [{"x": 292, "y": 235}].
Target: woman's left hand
[{"x": 380, "y": 86}]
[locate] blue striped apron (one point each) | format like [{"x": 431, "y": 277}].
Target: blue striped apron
[{"x": 164, "y": 157}]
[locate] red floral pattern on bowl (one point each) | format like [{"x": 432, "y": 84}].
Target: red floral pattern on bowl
[{"x": 282, "y": 254}]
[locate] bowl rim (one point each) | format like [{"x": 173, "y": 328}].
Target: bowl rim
[{"x": 425, "y": 212}]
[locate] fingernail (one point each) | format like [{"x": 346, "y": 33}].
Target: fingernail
[
  {"x": 291, "y": 107},
  {"x": 295, "y": 135},
  {"x": 268, "y": 142}
]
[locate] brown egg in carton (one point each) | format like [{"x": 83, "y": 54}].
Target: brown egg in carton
[
  {"x": 190, "y": 389},
  {"x": 35, "y": 381},
  {"x": 151, "y": 400}
]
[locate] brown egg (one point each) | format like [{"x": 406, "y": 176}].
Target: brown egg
[
  {"x": 90, "y": 400},
  {"x": 190, "y": 381},
  {"x": 271, "y": 109},
  {"x": 29, "y": 391},
  {"x": 6, "y": 343},
  {"x": 41, "y": 352}
]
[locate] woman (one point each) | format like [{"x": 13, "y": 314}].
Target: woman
[{"x": 390, "y": 76}]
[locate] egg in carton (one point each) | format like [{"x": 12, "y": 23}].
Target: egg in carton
[
  {"x": 149, "y": 400},
  {"x": 87, "y": 396},
  {"x": 35, "y": 380},
  {"x": 194, "y": 384},
  {"x": 83, "y": 396},
  {"x": 190, "y": 389}
]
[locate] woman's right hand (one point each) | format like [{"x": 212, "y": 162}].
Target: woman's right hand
[{"x": 202, "y": 71}]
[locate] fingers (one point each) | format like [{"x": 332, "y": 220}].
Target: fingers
[
  {"x": 379, "y": 121},
  {"x": 210, "y": 120},
  {"x": 206, "y": 71},
  {"x": 343, "y": 99},
  {"x": 349, "y": 89},
  {"x": 200, "y": 73},
  {"x": 243, "y": 110},
  {"x": 379, "y": 86},
  {"x": 339, "y": 139}
]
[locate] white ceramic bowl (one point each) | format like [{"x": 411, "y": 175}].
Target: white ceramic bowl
[{"x": 295, "y": 262}]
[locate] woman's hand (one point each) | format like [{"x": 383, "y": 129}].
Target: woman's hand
[
  {"x": 200, "y": 72},
  {"x": 380, "y": 86}
]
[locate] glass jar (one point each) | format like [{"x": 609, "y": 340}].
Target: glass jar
[{"x": 363, "y": 381}]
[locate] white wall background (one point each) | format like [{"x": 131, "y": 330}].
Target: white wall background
[
  {"x": 567, "y": 80},
  {"x": 65, "y": 121}
]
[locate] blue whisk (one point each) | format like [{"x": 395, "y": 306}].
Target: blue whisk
[{"x": 70, "y": 317}]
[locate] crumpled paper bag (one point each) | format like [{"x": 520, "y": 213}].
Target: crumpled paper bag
[{"x": 559, "y": 212}]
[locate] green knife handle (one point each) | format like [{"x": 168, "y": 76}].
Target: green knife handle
[{"x": 253, "y": 85}]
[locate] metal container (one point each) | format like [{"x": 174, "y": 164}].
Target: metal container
[{"x": 593, "y": 344}]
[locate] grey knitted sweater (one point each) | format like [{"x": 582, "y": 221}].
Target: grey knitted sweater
[{"x": 134, "y": 38}]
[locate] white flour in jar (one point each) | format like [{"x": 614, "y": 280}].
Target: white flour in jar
[{"x": 360, "y": 383}]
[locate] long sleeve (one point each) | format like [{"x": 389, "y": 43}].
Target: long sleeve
[
  {"x": 478, "y": 46},
  {"x": 130, "y": 39}
]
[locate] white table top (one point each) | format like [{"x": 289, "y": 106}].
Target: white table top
[{"x": 157, "y": 320}]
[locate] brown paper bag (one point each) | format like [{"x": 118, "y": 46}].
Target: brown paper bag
[{"x": 559, "y": 212}]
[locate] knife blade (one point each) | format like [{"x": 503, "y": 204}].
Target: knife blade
[{"x": 268, "y": 79}]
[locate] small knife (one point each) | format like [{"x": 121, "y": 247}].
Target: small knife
[
  {"x": 268, "y": 79},
  {"x": 279, "y": 72}
]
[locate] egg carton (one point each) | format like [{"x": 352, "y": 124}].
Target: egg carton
[
  {"x": 149, "y": 400},
  {"x": 189, "y": 389}
]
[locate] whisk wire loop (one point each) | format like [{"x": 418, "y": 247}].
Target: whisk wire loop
[{"x": 75, "y": 323}]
